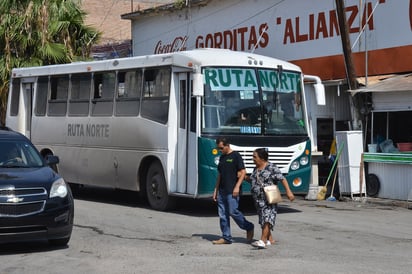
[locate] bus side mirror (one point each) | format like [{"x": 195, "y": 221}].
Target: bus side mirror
[
  {"x": 320, "y": 94},
  {"x": 197, "y": 84},
  {"x": 318, "y": 87}
]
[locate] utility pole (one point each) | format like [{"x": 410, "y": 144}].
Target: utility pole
[{"x": 347, "y": 54}]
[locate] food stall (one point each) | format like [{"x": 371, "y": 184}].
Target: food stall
[{"x": 388, "y": 162}]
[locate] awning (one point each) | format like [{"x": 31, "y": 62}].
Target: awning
[{"x": 386, "y": 83}]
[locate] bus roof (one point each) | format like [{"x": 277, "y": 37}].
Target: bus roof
[{"x": 186, "y": 59}]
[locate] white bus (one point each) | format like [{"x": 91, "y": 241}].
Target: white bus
[{"x": 149, "y": 123}]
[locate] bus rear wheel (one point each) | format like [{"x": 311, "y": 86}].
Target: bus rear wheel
[{"x": 156, "y": 189}]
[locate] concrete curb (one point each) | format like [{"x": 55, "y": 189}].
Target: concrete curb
[{"x": 357, "y": 201}]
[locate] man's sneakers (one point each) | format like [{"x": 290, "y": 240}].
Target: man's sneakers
[
  {"x": 221, "y": 241},
  {"x": 259, "y": 244},
  {"x": 249, "y": 235}
]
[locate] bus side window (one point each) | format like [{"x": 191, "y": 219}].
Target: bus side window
[
  {"x": 41, "y": 95},
  {"x": 15, "y": 98},
  {"x": 128, "y": 92},
  {"x": 193, "y": 115},
  {"x": 156, "y": 89},
  {"x": 59, "y": 89},
  {"x": 104, "y": 87},
  {"x": 80, "y": 94},
  {"x": 148, "y": 84},
  {"x": 98, "y": 84}
]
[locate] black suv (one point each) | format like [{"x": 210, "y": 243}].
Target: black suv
[{"x": 35, "y": 202}]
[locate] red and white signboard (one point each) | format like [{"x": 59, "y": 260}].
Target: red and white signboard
[{"x": 304, "y": 32}]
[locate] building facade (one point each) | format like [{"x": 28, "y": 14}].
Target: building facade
[{"x": 308, "y": 34}]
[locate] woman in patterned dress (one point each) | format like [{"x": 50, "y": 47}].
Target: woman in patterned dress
[{"x": 266, "y": 173}]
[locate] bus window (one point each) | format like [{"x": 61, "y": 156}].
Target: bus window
[
  {"x": 193, "y": 115},
  {"x": 182, "y": 105},
  {"x": 128, "y": 92},
  {"x": 15, "y": 98},
  {"x": 80, "y": 94},
  {"x": 192, "y": 110},
  {"x": 58, "y": 96},
  {"x": 41, "y": 96},
  {"x": 155, "y": 101},
  {"x": 104, "y": 86},
  {"x": 211, "y": 109}
]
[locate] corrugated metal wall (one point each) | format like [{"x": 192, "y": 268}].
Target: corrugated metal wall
[
  {"x": 337, "y": 106},
  {"x": 395, "y": 179},
  {"x": 392, "y": 101}
]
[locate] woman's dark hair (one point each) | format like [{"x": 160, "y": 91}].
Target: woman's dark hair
[{"x": 262, "y": 153}]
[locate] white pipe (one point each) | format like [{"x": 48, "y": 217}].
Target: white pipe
[{"x": 319, "y": 88}]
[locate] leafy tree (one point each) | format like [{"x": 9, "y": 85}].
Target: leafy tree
[{"x": 41, "y": 32}]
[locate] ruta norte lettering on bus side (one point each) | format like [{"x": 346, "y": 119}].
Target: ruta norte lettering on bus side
[{"x": 88, "y": 130}]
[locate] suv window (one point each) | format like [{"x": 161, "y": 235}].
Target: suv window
[{"x": 18, "y": 153}]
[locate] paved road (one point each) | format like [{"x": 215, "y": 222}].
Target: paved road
[{"x": 116, "y": 233}]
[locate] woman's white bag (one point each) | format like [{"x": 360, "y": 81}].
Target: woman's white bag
[{"x": 272, "y": 194}]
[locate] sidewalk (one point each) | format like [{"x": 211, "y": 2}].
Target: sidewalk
[
  {"x": 356, "y": 202},
  {"x": 388, "y": 202}
]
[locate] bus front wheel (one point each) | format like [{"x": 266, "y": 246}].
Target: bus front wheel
[{"x": 156, "y": 189}]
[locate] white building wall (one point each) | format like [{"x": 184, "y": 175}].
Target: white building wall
[{"x": 289, "y": 30}]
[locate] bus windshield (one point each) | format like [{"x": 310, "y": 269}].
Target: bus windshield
[{"x": 252, "y": 101}]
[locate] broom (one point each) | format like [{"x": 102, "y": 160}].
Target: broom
[
  {"x": 331, "y": 197},
  {"x": 322, "y": 192}
]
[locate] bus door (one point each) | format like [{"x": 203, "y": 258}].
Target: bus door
[
  {"x": 21, "y": 105},
  {"x": 186, "y": 144}
]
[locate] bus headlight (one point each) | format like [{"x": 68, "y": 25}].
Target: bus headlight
[
  {"x": 294, "y": 165},
  {"x": 304, "y": 160},
  {"x": 217, "y": 160}
]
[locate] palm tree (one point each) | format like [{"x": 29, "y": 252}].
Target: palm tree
[{"x": 41, "y": 32}]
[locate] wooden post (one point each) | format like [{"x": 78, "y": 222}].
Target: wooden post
[
  {"x": 350, "y": 69},
  {"x": 347, "y": 51}
]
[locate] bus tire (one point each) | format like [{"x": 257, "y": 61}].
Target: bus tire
[{"x": 156, "y": 189}]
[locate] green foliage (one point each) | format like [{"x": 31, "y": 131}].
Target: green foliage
[
  {"x": 41, "y": 32},
  {"x": 180, "y": 4}
]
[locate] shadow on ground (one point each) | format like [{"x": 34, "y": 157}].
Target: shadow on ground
[
  {"x": 186, "y": 206},
  {"x": 28, "y": 247}
]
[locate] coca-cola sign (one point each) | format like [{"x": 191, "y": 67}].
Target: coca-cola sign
[{"x": 178, "y": 44}]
